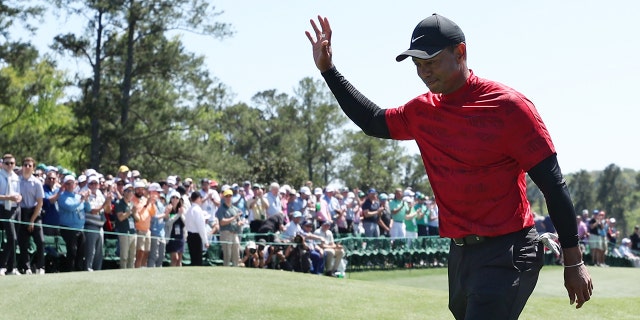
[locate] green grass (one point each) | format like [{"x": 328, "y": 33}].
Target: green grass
[{"x": 237, "y": 293}]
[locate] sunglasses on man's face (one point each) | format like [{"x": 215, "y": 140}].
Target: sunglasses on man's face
[
  {"x": 27, "y": 165},
  {"x": 9, "y": 163}
]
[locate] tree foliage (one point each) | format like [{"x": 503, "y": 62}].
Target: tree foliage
[{"x": 33, "y": 121}]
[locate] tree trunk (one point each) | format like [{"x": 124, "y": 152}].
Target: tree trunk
[
  {"x": 95, "y": 158},
  {"x": 126, "y": 88}
]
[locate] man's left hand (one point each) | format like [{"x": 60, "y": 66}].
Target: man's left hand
[{"x": 577, "y": 280}]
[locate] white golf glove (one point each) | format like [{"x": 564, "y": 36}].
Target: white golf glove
[{"x": 550, "y": 241}]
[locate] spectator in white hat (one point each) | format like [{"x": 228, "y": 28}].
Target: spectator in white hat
[
  {"x": 158, "y": 240},
  {"x": 125, "y": 226},
  {"x": 273, "y": 197},
  {"x": 94, "y": 220},
  {"x": 73, "y": 208},
  {"x": 612, "y": 233},
  {"x": 145, "y": 208},
  {"x": 624, "y": 251}
]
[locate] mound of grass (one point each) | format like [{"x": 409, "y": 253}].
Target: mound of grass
[{"x": 237, "y": 293}]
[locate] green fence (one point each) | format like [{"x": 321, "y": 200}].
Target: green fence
[{"x": 361, "y": 253}]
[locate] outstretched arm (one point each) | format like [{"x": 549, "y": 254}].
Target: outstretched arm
[{"x": 364, "y": 113}]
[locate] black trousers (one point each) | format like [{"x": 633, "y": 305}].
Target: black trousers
[
  {"x": 494, "y": 279},
  {"x": 254, "y": 226},
  {"x": 23, "y": 240},
  {"x": 8, "y": 255},
  {"x": 195, "y": 248},
  {"x": 423, "y": 231},
  {"x": 74, "y": 240}
]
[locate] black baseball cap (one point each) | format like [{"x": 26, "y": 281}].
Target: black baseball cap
[{"x": 432, "y": 35}]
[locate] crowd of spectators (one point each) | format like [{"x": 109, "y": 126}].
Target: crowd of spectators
[
  {"x": 294, "y": 229},
  {"x": 600, "y": 235}
]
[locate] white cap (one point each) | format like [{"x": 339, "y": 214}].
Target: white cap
[
  {"x": 305, "y": 190},
  {"x": 90, "y": 172},
  {"x": 317, "y": 191},
  {"x": 68, "y": 178},
  {"x": 154, "y": 187},
  {"x": 93, "y": 178},
  {"x": 172, "y": 180},
  {"x": 82, "y": 178},
  {"x": 612, "y": 220},
  {"x": 139, "y": 184}
]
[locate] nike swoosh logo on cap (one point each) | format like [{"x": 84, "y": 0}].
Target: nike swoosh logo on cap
[{"x": 416, "y": 38}]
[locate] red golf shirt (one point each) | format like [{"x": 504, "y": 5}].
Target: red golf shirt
[{"x": 476, "y": 145}]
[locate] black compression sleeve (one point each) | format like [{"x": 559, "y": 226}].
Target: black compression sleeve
[
  {"x": 548, "y": 177},
  {"x": 364, "y": 113}
]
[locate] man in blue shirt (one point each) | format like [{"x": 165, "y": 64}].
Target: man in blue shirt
[
  {"x": 51, "y": 218},
  {"x": 73, "y": 208}
]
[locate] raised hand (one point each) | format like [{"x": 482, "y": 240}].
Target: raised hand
[{"x": 321, "y": 46}]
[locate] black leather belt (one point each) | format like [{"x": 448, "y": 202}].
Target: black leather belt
[{"x": 469, "y": 240}]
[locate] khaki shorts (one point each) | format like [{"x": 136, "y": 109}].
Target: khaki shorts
[
  {"x": 596, "y": 242},
  {"x": 144, "y": 240}
]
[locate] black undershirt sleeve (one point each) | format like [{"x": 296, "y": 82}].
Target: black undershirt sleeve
[
  {"x": 548, "y": 177},
  {"x": 364, "y": 113}
]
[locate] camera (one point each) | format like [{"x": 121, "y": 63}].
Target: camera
[{"x": 252, "y": 251}]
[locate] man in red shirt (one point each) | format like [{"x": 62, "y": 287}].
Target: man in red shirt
[{"x": 478, "y": 139}]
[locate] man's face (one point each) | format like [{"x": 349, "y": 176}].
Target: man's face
[
  {"x": 128, "y": 193},
  {"x": 69, "y": 186},
  {"x": 93, "y": 186},
  {"x": 444, "y": 73},
  {"x": 205, "y": 186},
  {"x": 8, "y": 164},
  {"x": 51, "y": 178},
  {"x": 27, "y": 167},
  {"x": 139, "y": 192}
]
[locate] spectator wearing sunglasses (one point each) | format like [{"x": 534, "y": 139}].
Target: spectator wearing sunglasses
[
  {"x": 9, "y": 200},
  {"x": 30, "y": 208}
]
